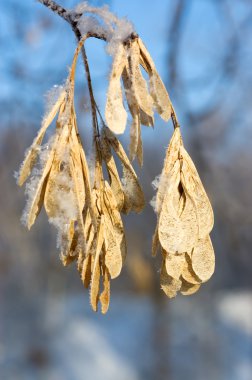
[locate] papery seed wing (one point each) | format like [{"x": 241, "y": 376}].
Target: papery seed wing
[
  {"x": 157, "y": 88},
  {"x": 168, "y": 284},
  {"x": 115, "y": 182},
  {"x": 197, "y": 192},
  {"x": 169, "y": 224},
  {"x": 39, "y": 192},
  {"x": 32, "y": 153},
  {"x": 177, "y": 232},
  {"x": 114, "y": 235},
  {"x": 203, "y": 259},
  {"x": 95, "y": 279},
  {"x": 140, "y": 146},
  {"x": 115, "y": 114},
  {"x": 86, "y": 272},
  {"x": 188, "y": 289},
  {"x": 160, "y": 96},
  {"x": 174, "y": 264},
  {"x": 79, "y": 200},
  {"x": 134, "y": 134},
  {"x": 172, "y": 155},
  {"x": 51, "y": 201},
  {"x": 188, "y": 273},
  {"x": 134, "y": 197},
  {"x": 105, "y": 295},
  {"x": 127, "y": 83},
  {"x": 173, "y": 150},
  {"x": 155, "y": 242},
  {"x": 145, "y": 119},
  {"x": 139, "y": 85}
]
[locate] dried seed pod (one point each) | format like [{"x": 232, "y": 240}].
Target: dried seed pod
[{"x": 185, "y": 218}]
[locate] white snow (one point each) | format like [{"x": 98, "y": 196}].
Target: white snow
[{"x": 102, "y": 21}]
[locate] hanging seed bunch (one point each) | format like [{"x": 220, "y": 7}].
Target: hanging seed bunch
[
  {"x": 87, "y": 212},
  {"x": 185, "y": 219},
  {"x": 142, "y": 97}
]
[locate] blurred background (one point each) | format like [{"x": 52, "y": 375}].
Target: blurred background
[{"x": 203, "y": 51}]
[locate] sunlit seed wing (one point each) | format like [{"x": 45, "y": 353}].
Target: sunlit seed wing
[
  {"x": 139, "y": 85},
  {"x": 114, "y": 234},
  {"x": 157, "y": 88},
  {"x": 155, "y": 242},
  {"x": 134, "y": 134},
  {"x": 115, "y": 182},
  {"x": 139, "y": 146},
  {"x": 39, "y": 192},
  {"x": 197, "y": 192},
  {"x": 169, "y": 285},
  {"x": 95, "y": 279},
  {"x": 105, "y": 295},
  {"x": 174, "y": 264},
  {"x": 188, "y": 273},
  {"x": 115, "y": 113},
  {"x": 134, "y": 197},
  {"x": 146, "y": 119},
  {"x": 32, "y": 153},
  {"x": 86, "y": 272},
  {"x": 160, "y": 96},
  {"x": 172, "y": 155},
  {"x": 79, "y": 201},
  {"x": 188, "y": 289},
  {"x": 203, "y": 259}
]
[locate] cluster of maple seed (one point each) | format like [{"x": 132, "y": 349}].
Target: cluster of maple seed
[{"x": 87, "y": 213}]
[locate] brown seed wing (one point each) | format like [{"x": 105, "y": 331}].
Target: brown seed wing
[
  {"x": 198, "y": 193},
  {"x": 188, "y": 273},
  {"x": 115, "y": 114},
  {"x": 174, "y": 264},
  {"x": 188, "y": 289},
  {"x": 172, "y": 155},
  {"x": 105, "y": 295},
  {"x": 139, "y": 85},
  {"x": 32, "y": 153},
  {"x": 157, "y": 88},
  {"x": 39, "y": 193},
  {"x": 203, "y": 259},
  {"x": 115, "y": 182},
  {"x": 86, "y": 273},
  {"x": 96, "y": 271},
  {"x": 168, "y": 284},
  {"x": 134, "y": 197}
]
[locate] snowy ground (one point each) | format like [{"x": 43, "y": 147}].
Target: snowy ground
[{"x": 190, "y": 338}]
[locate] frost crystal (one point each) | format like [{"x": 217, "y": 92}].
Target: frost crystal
[{"x": 104, "y": 22}]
